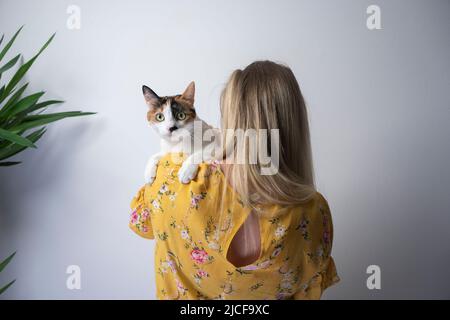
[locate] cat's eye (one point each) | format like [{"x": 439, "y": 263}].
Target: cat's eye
[
  {"x": 181, "y": 116},
  {"x": 159, "y": 117}
]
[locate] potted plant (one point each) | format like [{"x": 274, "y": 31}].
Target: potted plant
[{"x": 23, "y": 117}]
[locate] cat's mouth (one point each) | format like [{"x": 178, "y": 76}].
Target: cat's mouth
[
  {"x": 178, "y": 133},
  {"x": 171, "y": 134},
  {"x": 172, "y": 131}
]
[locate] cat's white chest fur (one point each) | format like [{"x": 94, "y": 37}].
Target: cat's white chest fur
[{"x": 191, "y": 142}]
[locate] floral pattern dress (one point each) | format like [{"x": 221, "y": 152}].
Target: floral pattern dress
[{"x": 193, "y": 225}]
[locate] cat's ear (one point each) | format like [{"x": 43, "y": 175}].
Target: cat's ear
[
  {"x": 150, "y": 96},
  {"x": 189, "y": 93}
]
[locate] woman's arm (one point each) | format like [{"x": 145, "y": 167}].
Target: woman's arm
[{"x": 140, "y": 221}]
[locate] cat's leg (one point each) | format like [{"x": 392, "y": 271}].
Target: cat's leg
[
  {"x": 189, "y": 168},
  {"x": 151, "y": 167}
]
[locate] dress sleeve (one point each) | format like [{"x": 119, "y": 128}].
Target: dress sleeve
[
  {"x": 140, "y": 221},
  {"x": 319, "y": 268}
]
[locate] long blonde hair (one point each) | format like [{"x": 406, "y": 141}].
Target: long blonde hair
[{"x": 266, "y": 95}]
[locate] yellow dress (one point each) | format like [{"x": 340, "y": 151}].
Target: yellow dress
[{"x": 193, "y": 226}]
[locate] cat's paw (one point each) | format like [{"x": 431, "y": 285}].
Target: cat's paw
[
  {"x": 187, "y": 172},
  {"x": 150, "y": 172}
]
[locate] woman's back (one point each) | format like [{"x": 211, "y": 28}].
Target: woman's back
[{"x": 194, "y": 226}]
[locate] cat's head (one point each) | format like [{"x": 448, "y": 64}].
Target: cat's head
[{"x": 170, "y": 115}]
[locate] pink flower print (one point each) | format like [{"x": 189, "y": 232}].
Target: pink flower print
[
  {"x": 260, "y": 265},
  {"x": 276, "y": 252},
  {"x": 319, "y": 252},
  {"x": 326, "y": 237},
  {"x": 303, "y": 227},
  {"x": 325, "y": 221},
  {"x": 303, "y": 224},
  {"x": 184, "y": 234},
  {"x": 281, "y": 296},
  {"x": 285, "y": 285},
  {"x": 202, "y": 273},
  {"x": 288, "y": 276},
  {"x": 171, "y": 264},
  {"x": 134, "y": 217},
  {"x": 195, "y": 199},
  {"x": 144, "y": 229},
  {"x": 156, "y": 204},
  {"x": 163, "y": 188},
  {"x": 265, "y": 264},
  {"x": 251, "y": 267},
  {"x": 180, "y": 287},
  {"x": 199, "y": 256},
  {"x": 145, "y": 214},
  {"x": 280, "y": 231},
  {"x": 213, "y": 245}
]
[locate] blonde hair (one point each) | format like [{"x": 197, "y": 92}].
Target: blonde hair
[{"x": 266, "y": 95}]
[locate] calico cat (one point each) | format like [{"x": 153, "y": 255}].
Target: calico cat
[{"x": 174, "y": 119}]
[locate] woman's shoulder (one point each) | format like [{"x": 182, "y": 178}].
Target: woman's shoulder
[
  {"x": 315, "y": 212},
  {"x": 174, "y": 160},
  {"x": 317, "y": 202},
  {"x": 208, "y": 173},
  {"x": 319, "y": 206},
  {"x": 321, "y": 201}
]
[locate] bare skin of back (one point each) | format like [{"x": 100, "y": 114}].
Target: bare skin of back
[{"x": 246, "y": 245}]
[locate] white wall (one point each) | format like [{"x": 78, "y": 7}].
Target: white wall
[{"x": 379, "y": 108}]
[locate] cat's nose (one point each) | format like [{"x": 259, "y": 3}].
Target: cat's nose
[{"x": 172, "y": 129}]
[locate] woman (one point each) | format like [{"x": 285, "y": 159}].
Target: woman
[{"x": 234, "y": 233}]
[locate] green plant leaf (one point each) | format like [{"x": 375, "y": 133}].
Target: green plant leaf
[
  {"x": 21, "y": 105},
  {"x": 2, "y": 266},
  {"x": 22, "y": 70},
  {"x": 16, "y": 96},
  {"x": 15, "y": 148},
  {"x": 19, "y": 114},
  {"x": 19, "y": 118},
  {"x": 9, "y": 163},
  {"x": 13, "y": 137},
  {"x": 1, "y": 39},
  {"x": 9, "y": 64},
  {"x": 43, "y": 119},
  {"x": 42, "y": 105},
  {"x": 9, "y": 44},
  {"x": 6, "y": 287},
  {"x": 25, "y": 113},
  {"x": 6, "y": 261}
]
